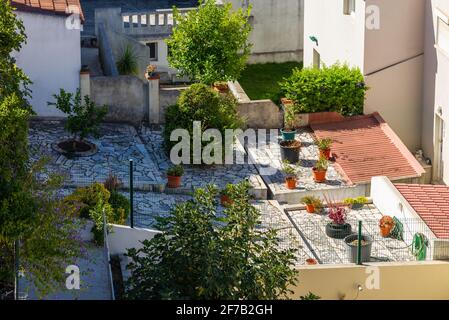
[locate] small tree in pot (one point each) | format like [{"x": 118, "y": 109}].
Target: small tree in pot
[
  {"x": 83, "y": 119},
  {"x": 320, "y": 169},
  {"x": 290, "y": 175},
  {"x": 174, "y": 175},
  {"x": 289, "y": 131},
  {"x": 324, "y": 145}
]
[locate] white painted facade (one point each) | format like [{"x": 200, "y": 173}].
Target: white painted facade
[
  {"x": 435, "y": 113},
  {"x": 51, "y": 58},
  {"x": 277, "y": 34},
  {"x": 385, "y": 39}
]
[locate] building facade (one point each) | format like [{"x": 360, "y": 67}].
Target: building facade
[
  {"x": 385, "y": 39},
  {"x": 435, "y": 112}
]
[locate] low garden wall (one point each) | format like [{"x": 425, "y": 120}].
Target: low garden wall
[
  {"x": 261, "y": 114},
  {"x": 126, "y": 97},
  {"x": 121, "y": 238},
  {"x": 168, "y": 95}
]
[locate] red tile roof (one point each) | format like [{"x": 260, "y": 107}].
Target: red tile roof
[
  {"x": 58, "y": 7},
  {"x": 365, "y": 147},
  {"x": 431, "y": 203}
]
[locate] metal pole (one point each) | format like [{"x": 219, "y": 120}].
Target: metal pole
[
  {"x": 16, "y": 269},
  {"x": 131, "y": 191},
  {"x": 359, "y": 245}
]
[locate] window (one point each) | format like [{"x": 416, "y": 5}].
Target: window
[
  {"x": 143, "y": 20},
  {"x": 135, "y": 21},
  {"x": 170, "y": 19},
  {"x": 125, "y": 21},
  {"x": 443, "y": 35},
  {"x": 153, "y": 50},
  {"x": 316, "y": 59},
  {"x": 152, "y": 19},
  {"x": 161, "y": 19},
  {"x": 349, "y": 7}
]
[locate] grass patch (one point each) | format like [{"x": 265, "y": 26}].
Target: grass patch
[{"x": 261, "y": 81}]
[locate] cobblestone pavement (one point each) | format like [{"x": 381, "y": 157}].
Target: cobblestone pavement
[
  {"x": 200, "y": 176},
  {"x": 118, "y": 143},
  {"x": 268, "y": 156},
  {"x": 333, "y": 251}
]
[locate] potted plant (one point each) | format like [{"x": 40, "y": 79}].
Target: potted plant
[
  {"x": 324, "y": 145},
  {"x": 174, "y": 175},
  {"x": 337, "y": 228},
  {"x": 225, "y": 196},
  {"x": 355, "y": 203},
  {"x": 312, "y": 203},
  {"x": 352, "y": 243},
  {"x": 221, "y": 87},
  {"x": 320, "y": 169},
  {"x": 290, "y": 175},
  {"x": 386, "y": 224},
  {"x": 150, "y": 72},
  {"x": 289, "y": 131}
]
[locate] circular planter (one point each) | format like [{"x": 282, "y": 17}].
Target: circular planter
[
  {"x": 311, "y": 262},
  {"x": 288, "y": 135},
  {"x": 325, "y": 153},
  {"x": 290, "y": 183},
  {"x": 357, "y": 206},
  {"x": 310, "y": 208},
  {"x": 319, "y": 176},
  {"x": 225, "y": 200},
  {"x": 174, "y": 181},
  {"x": 75, "y": 148},
  {"x": 290, "y": 150},
  {"x": 338, "y": 231},
  {"x": 351, "y": 242}
]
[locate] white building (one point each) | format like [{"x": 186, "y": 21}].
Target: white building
[
  {"x": 277, "y": 34},
  {"x": 52, "y": 56},
  {"x": 435, "y": 113},
  {"x": 385, "y": 39}
]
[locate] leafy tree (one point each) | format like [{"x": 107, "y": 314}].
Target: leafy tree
[
  {"x": 200, "y": 103},
  {"x": 202, "y": 254},
  {"x": 210, "y": 43},
  {"x": 30, "y": 212},
  {"x": 83, "y": 119}
]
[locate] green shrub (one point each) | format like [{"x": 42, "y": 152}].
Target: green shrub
[
  {"x": 200, "y": 103},
  {"x": 120, "y": 205},
  {"x": 127, "y": 63},
  {"x": 336, "y": 88},
  {"x": 175, "y": 171}
]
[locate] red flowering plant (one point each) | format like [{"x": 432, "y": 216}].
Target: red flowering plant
[{"x": 337, "y": 212}]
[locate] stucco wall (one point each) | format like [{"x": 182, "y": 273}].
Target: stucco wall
[
  {"x": 277, "y": 34},
  {"x": 340, "y": 37},
  {"x": 261, "y": 114},
  {"x": 414, "y": 281},
  {"x": 396, "y": 93},
  {"x": 51, "y": 58},
  {"x": 121, "y": 238},
  {"x": 126, "y": 97},
  {"x": 436, "y": 84}
]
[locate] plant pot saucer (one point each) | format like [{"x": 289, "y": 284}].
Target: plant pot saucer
[{"x": 83, "y": 148}]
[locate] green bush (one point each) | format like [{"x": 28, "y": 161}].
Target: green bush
[
  {"x": 127, "y": 64},
  {"x": 120, "y": 205},
  {"x": 200, "y": 103},
  {"x": 336, "y": 88}
]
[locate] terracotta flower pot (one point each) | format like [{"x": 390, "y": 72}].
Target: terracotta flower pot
[
  {"x": 174, "y": 181},
  {"x": 386, "y": 224},
  {"x": 225, "y": 200},
  {"x": 290, "y": 182},
  {"x": 221, "y": 87},
  {"x": 310, "y": 208},
  {"x": 325, "y": 153},
  {"x": 319, "y": 176},
  {"x": 311, "y": 262}
]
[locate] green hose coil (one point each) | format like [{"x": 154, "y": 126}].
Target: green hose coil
[{"x": 419, "y": 246}]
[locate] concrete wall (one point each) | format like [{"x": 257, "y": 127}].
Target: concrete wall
[
  {"x": 121, "y": 238},
  {"x": 168, "y": 96},
  {"x": 408, "y": 281},
  {"x": 396, "y": 93},
  {"x": 51, "y": 58},
  {"x": 436, "y": 83},
  {"x": 277, "y": 34},
  {"x": 126, "y": 97},
  {"x": 340, "y": 37},
  {"x": 261, "y": 114},
  {"x": 106, "y": 56}
]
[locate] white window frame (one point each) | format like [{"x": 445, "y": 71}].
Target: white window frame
[
  {"x": 442, "y": 31},
  {"x": 349, "y": 7}
]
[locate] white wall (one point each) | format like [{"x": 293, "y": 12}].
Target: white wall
[
  {"x": 436, "y": 84},
  {"x": 277, "y": 34},
  {"x": 340, "y": 37},
  {"x": 51, "y": 59},
  {"x": 121, "y": 238}
]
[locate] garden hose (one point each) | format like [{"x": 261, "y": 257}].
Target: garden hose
[{"x": 419, "y": 246}]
